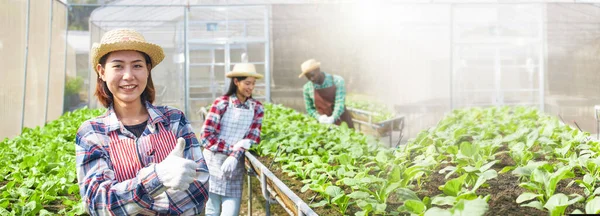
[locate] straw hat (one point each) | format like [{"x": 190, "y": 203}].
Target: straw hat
[
  {"x": 244, "y": 70},
  {"x": 125, "y": 39},
  {"x": 309, "y": 65}
]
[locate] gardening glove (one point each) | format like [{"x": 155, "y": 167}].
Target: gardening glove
[
  {"x": 242, "y": 145},
  {"x": 323, "y": 119},
  {"x": 329, "y": 120},
  {"x": 176, "y": 172},
  {"x": 228, "y": 166}
]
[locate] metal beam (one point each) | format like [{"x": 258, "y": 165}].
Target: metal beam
[
  {"x": 49, "y": 60},
  {"x": 66, "y": 50},
  {"x": 267, "y": 56},
  {"x": 187, "y": 61},
  {"x": 25, "y": 63}
]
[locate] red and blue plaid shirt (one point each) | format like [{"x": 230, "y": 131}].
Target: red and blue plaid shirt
[
  {"x": 102, "y": 194},
  {"x": 212, "y": 127}
]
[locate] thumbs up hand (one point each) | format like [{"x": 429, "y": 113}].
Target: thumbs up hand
[{"x": 176, "y": 172}]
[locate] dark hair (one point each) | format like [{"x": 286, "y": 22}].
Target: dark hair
[
  {"x": 232, "y": 87},
  {"x": 106, "y": 97}
]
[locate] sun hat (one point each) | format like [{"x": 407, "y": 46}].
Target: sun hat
[
  {"x": 125, "y": 39},
  {"x": 244, "y": 70},
  {"x": 308, "y": 66}
]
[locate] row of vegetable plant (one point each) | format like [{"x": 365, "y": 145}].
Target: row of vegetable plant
[
  {"x": 350, "y": 172},
  {"x": 38, "y": 176},
  {"x": 466, "y": 146}
]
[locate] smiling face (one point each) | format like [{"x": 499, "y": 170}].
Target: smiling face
[
  {"x": 245, "y": 87},
  {"x": 126, "y": 74}
]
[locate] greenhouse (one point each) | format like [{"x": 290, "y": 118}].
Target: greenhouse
[{"x": 390, "y": 107}]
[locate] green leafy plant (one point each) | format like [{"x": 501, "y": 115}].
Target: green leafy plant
[
  {"x": 41, "y": 172},
  {"x": 542, "y": 185}
]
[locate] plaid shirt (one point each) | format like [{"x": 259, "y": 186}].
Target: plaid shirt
[
  {"x": 340, "y": 95},
  {"x": 102, "y": 194},
  {"x": 212, "y": 127}
]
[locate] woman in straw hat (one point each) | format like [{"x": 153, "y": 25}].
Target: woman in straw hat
[
  {"x": 232, "y": 125},
  {"x": 324, "y": 95},
  {"x": 137, "y": 158}
]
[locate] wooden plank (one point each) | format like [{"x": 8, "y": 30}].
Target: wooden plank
[{"x": 286, "y": 200}]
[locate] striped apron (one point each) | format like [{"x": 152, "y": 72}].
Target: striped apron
[
  {"x": 128, "y": 158},
  {"x": 235, "y": 123}
]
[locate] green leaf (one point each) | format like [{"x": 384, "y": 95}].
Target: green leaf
[
  {"x": 359, "y": 195},
  {"x": 415, "y": 207},
  {"x": 380, "y": 208},
  {"x": 593, "y": 206},
  {"x": 435, "y": 211},
  {"x": 443, "y": 200},
  {"x": 468, "y": 149},
  {"x": 506, "y": 169},
  {"x": 333, "y": 191},
  {"x": 487, "y": 175},
  {"x": 340, "y": 199},
  {"x": 351, "y": 181},
  {"x": 305, "y": 188},
  {"x": 534, "y": 204},
  {"x": 532, "y": 137},
  {"x": 564, "y": 150},
  {"x": 467, "y": 196},
  {"x": 539, "y": 176},
  {"x": 3, "y": 211},
  {"x": 361, "y": 213},
  {"x": 474, "y": 207},
  {"x": 406, "y": 194},
  {"x": 453, "y": 186},
  {"x": 45, "y": 212},
  {"x": 487, "y": 166},
  {"x": 381, "y": 157},
  {"x": 470, "y": 169},
  {"x": 597, "y": 191},
  {"x": 588, "y": 179},
  {"x": 319, "y": 204},
  {"x": 557, "y": 204},
  {"x": 527, "y": 196},
  {"x": 392, "y": 187},
  {"x": 366, "y": 205},
  {"x": 560, "y": 174},
  {"x": 395, "y": 175},
  {"x": 530, "y": 186}
]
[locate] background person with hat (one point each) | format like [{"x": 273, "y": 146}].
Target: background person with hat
[
  {"x": 136, "y": 158},
  {"x": 232, "y": 125},
  {"x": 324, "y": 95}
]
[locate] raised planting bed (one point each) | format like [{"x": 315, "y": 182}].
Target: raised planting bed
[{"x": 506, "y": 160}]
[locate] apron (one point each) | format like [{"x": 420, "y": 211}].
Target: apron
[
  {"x": 235, "y": 123},
  {"x": 127, "y": 158},
  {"x": 324, "y": 102}
]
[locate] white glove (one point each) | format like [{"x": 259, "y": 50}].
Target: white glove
[
  {"x": 329, "y": 120},
  {"x": 242, "y": 144},
  {"x": 323, "y": 119},
  {"x": 174, "y": 171},
  {"x": 228, "y": 166}
]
